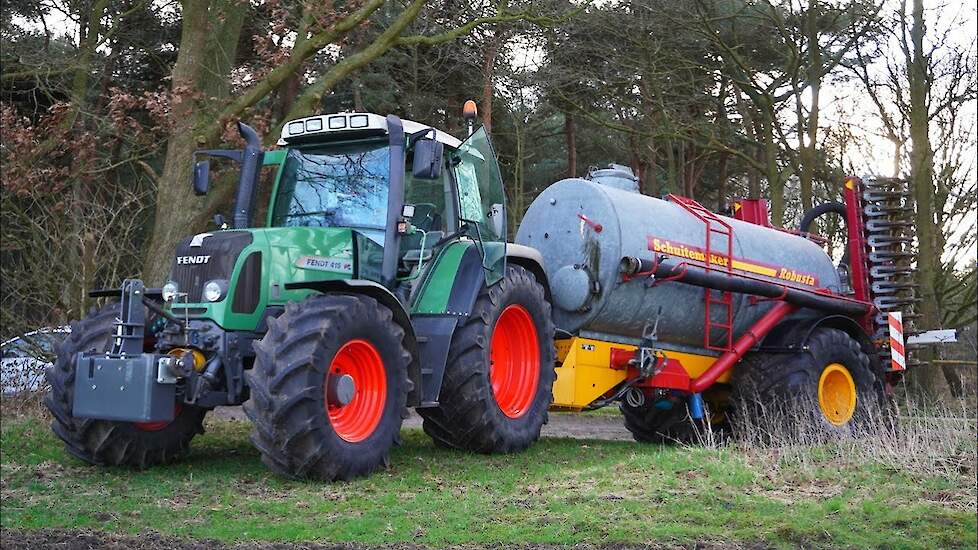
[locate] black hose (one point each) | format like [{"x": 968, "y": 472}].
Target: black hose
[
  {"x": 155, "y": 308},
  {"x": 821, "y": 210},
  {"x": 818, "y": 211},
  {"x": 683, "y": 272}
]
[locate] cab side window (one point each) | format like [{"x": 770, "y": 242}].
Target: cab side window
[{"x": 429, "y": 200}]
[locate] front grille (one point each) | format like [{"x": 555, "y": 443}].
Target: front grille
[
  {"x": 247, "y": 289},
  {"x": 221, "y": 249}
]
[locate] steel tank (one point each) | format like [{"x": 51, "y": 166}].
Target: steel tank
[{"x": 584, "y": 228}]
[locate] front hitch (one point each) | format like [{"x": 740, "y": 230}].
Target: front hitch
[{"x": 124, "y": 383}]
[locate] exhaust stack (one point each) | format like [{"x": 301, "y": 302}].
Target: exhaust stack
[{"x": 251, "y": 159}]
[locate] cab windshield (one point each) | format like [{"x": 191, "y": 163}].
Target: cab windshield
[{"x": 334, "y": 186}]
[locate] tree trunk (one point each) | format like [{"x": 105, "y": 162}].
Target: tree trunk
[
  {"x": 518, "y": 195},
  {"x": 357, "y": 96},
  {"x": 775, "y": 184},
  {"x": 570, "y": 135},
  {"x": 488, "y": 71},
  {"x": 649, "y": 172},
  {"x": 196, "y": 73},
  {"x": 686, "y": 158},
  {"x": 671, "y": 165},
  {"x": 288, "y": 91},
  {"x": 897, "y": 155},
  {"x": 930, "y": 379},
  {"x": 89, "y": 31},
  {"x": 722, "y": 182},
  {"x": 808, "y": 149}
]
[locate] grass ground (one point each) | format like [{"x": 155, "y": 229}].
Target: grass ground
[{"x": 561, "y": 491}]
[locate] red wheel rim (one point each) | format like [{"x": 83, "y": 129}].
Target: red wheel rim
[
  {"x": 358, "y": 419},
  {"x": 514, "y": 361},
  {"x": 157, "y": 426}
]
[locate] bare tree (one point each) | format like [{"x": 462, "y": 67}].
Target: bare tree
[{"x": 921, "y": 94}]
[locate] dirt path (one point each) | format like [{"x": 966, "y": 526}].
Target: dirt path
[
  {"x": 577, "y": 426},
  {"x": 61, "y": 539}
]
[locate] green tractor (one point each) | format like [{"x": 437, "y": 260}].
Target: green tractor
[{"x": 379, "y": 280}]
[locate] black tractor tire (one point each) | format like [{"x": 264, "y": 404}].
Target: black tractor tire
[
  {"x": 109, "y": 442},
  {"x": 292, "y": 428},
  {"x": 649, "y": 424},
  {"x": 781, "y": 390},
  {"x": 468, "y": 415}
]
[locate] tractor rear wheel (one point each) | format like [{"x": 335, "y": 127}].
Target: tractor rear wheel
[
  {"x": 329, "y": 388},
  {"x": 108, "y": 442},
  {"x": 833, "y": 387},
  {"x": 500, "y": 371}
]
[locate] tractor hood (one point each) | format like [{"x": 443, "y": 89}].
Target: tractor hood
[{"x": 257, "y": 267}]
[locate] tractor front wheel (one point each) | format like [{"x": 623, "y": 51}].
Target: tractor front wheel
[
  {"x": 108, "y": 442},
  {"x": 329, "y": 388},
  {"x": 500, "y": 371}
]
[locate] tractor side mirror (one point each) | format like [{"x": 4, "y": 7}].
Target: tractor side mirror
[
  {"x": 202, "y": 170},
  {"x": 428, "y": 159}
]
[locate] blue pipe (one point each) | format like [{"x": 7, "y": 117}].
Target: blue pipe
[{"x": 696, "y": 406}]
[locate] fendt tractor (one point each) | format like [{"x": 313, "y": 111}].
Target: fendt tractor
[{"x": 381, "y": 279}]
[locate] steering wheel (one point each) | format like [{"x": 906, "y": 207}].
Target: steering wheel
[{"x": 425, "y": 216}]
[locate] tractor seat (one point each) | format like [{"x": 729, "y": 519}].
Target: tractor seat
[{"x": 411, "y": 244}]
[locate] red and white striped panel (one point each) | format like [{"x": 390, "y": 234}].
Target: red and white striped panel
[{"x": 898, "y": 358}]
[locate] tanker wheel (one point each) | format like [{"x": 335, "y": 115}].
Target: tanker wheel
[
  {"x": 329, "y": 388},
  {"x": 500, "y": 371},
  {"x": 109, "y": 442},
  {"x": 651, "y": 424},
  {"x": 833, "y": 387}
]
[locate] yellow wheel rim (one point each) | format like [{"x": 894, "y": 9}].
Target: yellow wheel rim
[{"x": 837, "y": 394}]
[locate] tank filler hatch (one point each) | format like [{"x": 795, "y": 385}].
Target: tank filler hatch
[{"x": 615, "y": 175}]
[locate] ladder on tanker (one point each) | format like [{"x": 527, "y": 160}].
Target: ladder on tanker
[{"x": 722, "y": 305}]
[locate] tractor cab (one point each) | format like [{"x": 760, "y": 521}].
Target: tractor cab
[
  {"x": 408, "y": 188},
  {"x": 355, "y": 197}
]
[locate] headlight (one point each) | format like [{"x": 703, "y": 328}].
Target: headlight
[
  {"x": 215, "y": 290},
  {"x": 170, "y": 290}
]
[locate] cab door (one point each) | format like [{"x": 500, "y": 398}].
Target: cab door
[{"x": 482, "y": 201}]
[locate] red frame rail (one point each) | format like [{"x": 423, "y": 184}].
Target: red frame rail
[{"x": 858, "y": 249}]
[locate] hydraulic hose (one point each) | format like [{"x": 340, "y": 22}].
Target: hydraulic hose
[{"x": 819, "y": 211}]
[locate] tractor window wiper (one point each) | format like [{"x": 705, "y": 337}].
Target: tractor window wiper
[{"x": 316, "y": 213}]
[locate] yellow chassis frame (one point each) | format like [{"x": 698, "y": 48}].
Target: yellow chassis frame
[{"x": 584, "y": 371}]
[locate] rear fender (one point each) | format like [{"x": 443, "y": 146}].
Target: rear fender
[
  {"x": 793, "y": 336},
  {"x": 531, "y": 260}
]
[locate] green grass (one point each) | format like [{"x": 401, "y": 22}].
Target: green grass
[{"x": 561, "y": 491}]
